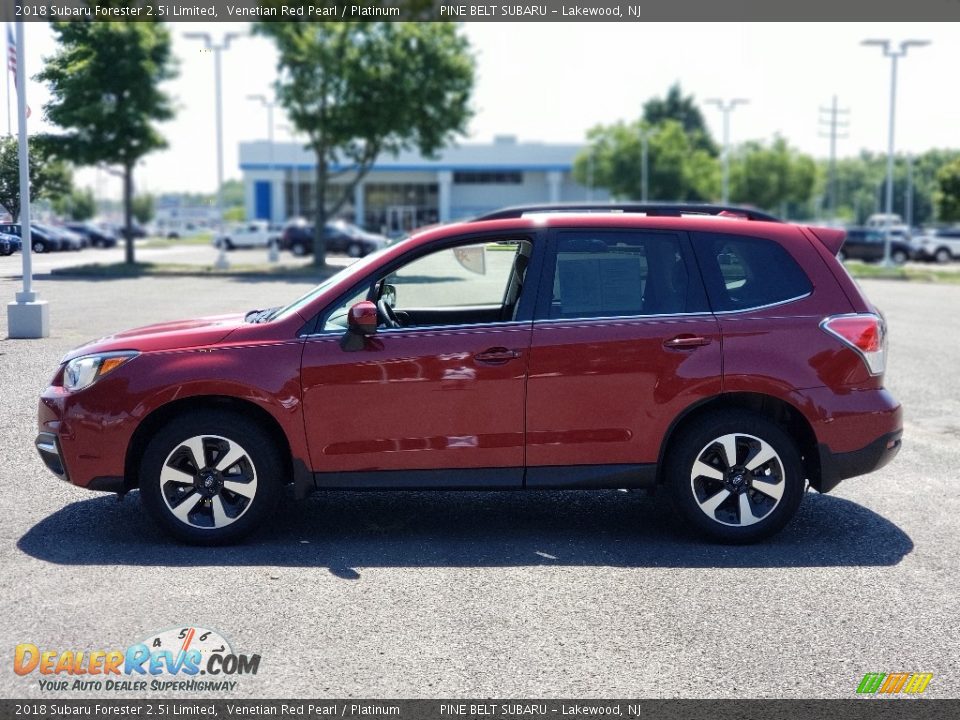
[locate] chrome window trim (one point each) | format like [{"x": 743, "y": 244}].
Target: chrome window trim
[
  {"x": 417, "y": 328},
  {"x": 764, "y": 307}
]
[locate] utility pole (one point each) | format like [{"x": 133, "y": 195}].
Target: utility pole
[
  {"x": 908, "y": 194},
  {"x": 830, "y": 117},
  {"x": 894, "y": 56},
  {"x": 273, "y": 254},
  {"x": 726, "y": 107},
  {"x": 217, "y": 49}
]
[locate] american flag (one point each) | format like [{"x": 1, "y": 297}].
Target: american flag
[{"x": 12, "y": 57}]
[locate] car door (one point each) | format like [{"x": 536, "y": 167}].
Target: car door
[
  {"x": 438, "y": 402},
  {"x": 622, "y": 342}
]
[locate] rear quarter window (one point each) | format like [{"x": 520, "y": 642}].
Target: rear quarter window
[{"x": 747, "y": 272}]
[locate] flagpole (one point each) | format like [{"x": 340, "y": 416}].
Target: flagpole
[{"x": 27, "y": 316}]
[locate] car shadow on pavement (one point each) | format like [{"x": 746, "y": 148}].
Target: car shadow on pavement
[{"x": 347, "y": 531}]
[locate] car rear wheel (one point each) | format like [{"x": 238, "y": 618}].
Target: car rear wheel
[
  {"x": 942, "y": 256},
  {"x": 211, "y": 478},
  {"x": 39, "y": 247},
  {"x": 899, "y": 257},
  {"x": 355, "y": 250},
  {"x": 734, "y": 476}
]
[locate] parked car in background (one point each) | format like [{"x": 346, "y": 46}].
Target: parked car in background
[
  {"x": 9, "y": 244},
  {"x": 867, "y": 244},
  {"x": 728, "y": 360},
  {"x": 40, "y": 240},
  {"x": 68, "y": 240},
  {"x": 97, "y": 236},
  {"x": 246, "y": 235},
  {"x": 340, "y": 236},
  {"x": 940, "y": 245},
  {"x": 136, "y": 231}
]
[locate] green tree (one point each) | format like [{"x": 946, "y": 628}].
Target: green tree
[
  {"x": 357, "y": 90},
  {"x": 77, "y": 205},
  {"x": 143, "y": 208},
  {"x": 49, "y": 177},
  {"x": 948, "y": 192},
  {"x": 772, "y": 177},
  {"x": 104, "y": 81},
  {"x": 678, "y": 171},
  {"x": 682, "y": 108}
]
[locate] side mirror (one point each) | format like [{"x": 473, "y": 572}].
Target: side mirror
[{"x": 362, "y": 318}]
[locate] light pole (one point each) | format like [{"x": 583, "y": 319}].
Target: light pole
[
  {"x": 273, "y": 254},
  {"x": 295, "y": 172},
  {"x": 894, "y": 55},
  {"x": 645, "y": 135},
  {"x": 726, "y": 107},
  {"x": 217, "y": 49}
]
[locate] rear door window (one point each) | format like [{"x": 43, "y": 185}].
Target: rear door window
[
  {"x": 746, "y": 272},
  {"x": 599, "y": 274}
]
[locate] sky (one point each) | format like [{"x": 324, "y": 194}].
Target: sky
[{"x": 553, "y": 81}]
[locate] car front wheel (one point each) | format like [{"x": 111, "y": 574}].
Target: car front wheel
[
  {"x": 735, "y": 477},
  {"x": 942, "y": 256},
  {"x": 298, "y": 249},
  {"x": 899, "y": 257},
  {"x": 211, "y": 478}
]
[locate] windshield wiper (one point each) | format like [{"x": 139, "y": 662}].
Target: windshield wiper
[{"x": 259, "y": 316}]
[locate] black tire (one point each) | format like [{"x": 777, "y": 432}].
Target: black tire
[
  {"x": 697, "y": 441},
  {"x": 355, "y": 250},
  {"x": 261, "y": 457},
  {"x": 39, "y": 247},
  {"x": 942, "y": 256},
  {"x": 299, "y": 249}
]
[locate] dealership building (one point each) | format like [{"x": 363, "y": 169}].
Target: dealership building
[{"x": 406, "y": 191}]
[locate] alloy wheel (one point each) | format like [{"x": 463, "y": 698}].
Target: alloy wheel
[
  {"x": 737, "y": 479},
  {"x": 208, "y": 481}
]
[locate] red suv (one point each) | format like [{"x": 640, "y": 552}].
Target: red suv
[{"x": 715, "y": 352}]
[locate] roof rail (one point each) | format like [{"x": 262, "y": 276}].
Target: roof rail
[{"x": 657, "y": 209}]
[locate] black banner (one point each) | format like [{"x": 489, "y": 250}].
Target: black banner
[
  {"x": 853, "y": 709},
  {"x": 543, "y": 11}
]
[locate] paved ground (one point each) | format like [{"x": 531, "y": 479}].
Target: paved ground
[{"x": 499, "y": 594}]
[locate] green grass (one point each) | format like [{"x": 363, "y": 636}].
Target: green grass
[
  {"x": 878, "y": 272},
  {"x": 162, "y": 242},
  {"x": 144, "y": 269}
]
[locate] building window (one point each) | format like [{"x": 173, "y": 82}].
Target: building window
[{"x": 488, "y": 178}]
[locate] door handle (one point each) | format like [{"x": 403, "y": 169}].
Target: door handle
[
  {"x": 496, "y": 355},
  {"x": 686, "y": 342}
]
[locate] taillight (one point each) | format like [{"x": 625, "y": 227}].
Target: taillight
[{"x": 865, "y": 333}]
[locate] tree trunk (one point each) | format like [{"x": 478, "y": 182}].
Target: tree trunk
[
  {"x": 128, "y": 211},
  {"x": 320, "y": 216}
]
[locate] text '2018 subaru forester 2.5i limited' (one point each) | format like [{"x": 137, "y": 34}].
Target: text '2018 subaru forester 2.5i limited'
[{"x": 718, "y": 353}]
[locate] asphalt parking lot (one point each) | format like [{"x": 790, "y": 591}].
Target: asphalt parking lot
[{"x": 498, "y": 594}]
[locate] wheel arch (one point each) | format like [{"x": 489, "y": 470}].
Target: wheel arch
[
  {"x": 168, "y": 411},
  {"x": 784, "y": 414}
]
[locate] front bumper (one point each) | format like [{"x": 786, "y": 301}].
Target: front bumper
[
  {"x": 49, "y": 448},
  {"x": 837, "y": 466}
]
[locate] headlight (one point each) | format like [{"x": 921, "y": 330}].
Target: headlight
[{"x": 83, "y": 371}]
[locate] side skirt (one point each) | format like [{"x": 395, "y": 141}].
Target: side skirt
[{"x": 558, "y": 477}]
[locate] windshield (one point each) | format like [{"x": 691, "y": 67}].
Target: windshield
[{"x": 357, "y": 269}]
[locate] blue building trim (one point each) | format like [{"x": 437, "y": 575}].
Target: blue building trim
[{"x": 263, "y": 200}]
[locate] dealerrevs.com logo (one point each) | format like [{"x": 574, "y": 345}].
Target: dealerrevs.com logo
[
  {"x": 894, "y": 683},
  {"x": 187, "y": 659}
]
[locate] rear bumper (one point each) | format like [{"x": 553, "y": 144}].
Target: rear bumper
[{"x": 835, "y": 467}]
